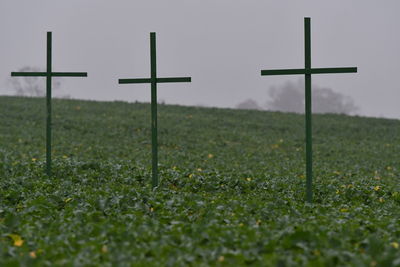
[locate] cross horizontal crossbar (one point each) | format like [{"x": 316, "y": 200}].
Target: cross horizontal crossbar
[
  {"x": 158, "y": 80},
  {"x": 308, "y": 71},
  {"x": 55, "y": 74}
]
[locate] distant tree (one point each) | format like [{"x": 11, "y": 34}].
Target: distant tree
[
  {"x": 248, "y": 104},
  {"x": 32, "y": 86},
  {"x": 325, "y": 100},
  {"x": 287, "y": 98},
  {"x": 290, "y": 98},
  {"x": 201, "y": 105}
]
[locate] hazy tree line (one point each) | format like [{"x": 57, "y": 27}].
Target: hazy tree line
[{"x": 289, "y": 97}]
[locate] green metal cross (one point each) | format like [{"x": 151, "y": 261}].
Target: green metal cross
[
  {"x": 49, "y": 74},
  {"x": 308, "y": 71},
  {"x": 153, "y": 80}
]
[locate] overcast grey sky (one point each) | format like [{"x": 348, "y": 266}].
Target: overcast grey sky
[{"x": 221, "y": 44}]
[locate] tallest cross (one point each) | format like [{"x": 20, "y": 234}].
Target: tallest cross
[
  {"x": 49, "y": 74},
  {"x": 308, "y": 71}
]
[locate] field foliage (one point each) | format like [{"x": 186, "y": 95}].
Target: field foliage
[{"x": 231, "y": 193}]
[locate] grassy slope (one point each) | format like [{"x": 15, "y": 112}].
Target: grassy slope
[{"x": 232, "y": 187}]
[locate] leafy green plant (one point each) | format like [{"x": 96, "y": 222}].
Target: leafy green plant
[{"x": 231, "y": 191}]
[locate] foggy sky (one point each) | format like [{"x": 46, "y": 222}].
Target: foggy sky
[{"x": 221, "y": 44}]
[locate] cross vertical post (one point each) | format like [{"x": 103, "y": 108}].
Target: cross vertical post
[
  {"x": 308, "y": 71},
  {"x": 48, "y": 104},
  {"x": 154, "y": 141},
  {"x": 49, "y": 74},
  {"x": 307, "y": 48},
  {"x": 154, "y": 80}
]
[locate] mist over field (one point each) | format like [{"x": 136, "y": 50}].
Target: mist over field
[{"x": 222, "y": 45}]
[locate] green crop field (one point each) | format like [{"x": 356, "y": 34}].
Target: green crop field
[{"x": 232, "y": 188}]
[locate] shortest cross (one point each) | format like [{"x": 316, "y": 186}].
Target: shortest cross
[
  {"x": 49, "y": 74},
  {"x": 153, "y": 80}
]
